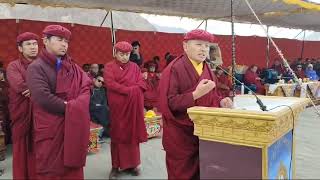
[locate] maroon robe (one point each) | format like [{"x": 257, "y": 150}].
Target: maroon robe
[
  {"x": 23, "y": 160},
  {"x": 125, "y": 88},
  {"x": 300, "y": 74},
  {"x": 4, "y": 119},
  {"x": 251, "y": 78},
  {"x": 223, "y": 82},
  {"x": 177, "y": 83},
  {"x": 61, "y": 131},
  {"x": 151, "y": 95},
  {"x": 4, "y": 111}
]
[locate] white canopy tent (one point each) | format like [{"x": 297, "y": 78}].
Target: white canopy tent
[
  {"x": 182, "y": 25},
  {"x": 91, "y": 17},
  {"x": 143, "y": 22},
  {"x": 284, "y": 13}
]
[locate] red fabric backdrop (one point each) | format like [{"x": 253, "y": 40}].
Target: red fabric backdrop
[{"x": 93, "y": 44}]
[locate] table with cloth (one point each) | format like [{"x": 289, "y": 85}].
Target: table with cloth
[
  {"x": 312, "y": 88},
  {"x": 153, "y": 123},
  {"x": 94, "y": 146}
]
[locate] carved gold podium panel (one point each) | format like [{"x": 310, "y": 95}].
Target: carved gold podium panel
[{"x": 246, "y": 142}]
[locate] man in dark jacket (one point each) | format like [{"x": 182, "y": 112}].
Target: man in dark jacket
[
  {"x": 99, "y": 110},
  {"x": 135, "y": 55}
]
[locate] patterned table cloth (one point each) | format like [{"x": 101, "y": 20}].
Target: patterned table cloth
[
  {"x": 93, "y": 146},
  {"x": 153, "y": 126},
  {"x": 295, "y": 90}
]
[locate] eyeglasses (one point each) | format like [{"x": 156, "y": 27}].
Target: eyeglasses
[{"x": 100, "y": 81}]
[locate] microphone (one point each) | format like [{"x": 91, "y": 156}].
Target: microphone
[{"x": 259, "y": 102}]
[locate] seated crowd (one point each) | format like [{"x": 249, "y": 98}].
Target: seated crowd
[{"x": 255, "y": 78}]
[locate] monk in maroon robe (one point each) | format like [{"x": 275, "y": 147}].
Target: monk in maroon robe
[
  {"x": 4, "y": 110},
  {"x": 155, "y": 62},
  {"x": 224, "y": 84},
  {"x": 60, "y": 92},
  {"x": 4, "y": 119},
  {"x": 23, "y": 158},
  {"x": 125, "y": 87},
  {"x": 251, "y": 78},
  {"x": 278, "y": 66},
  {"x": 151, "y": 95},
  {"x": 300, "y": 72},
  {"x": 186, "y": 82}
]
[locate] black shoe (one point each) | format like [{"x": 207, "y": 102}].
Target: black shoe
[
  {"x": 134, "y": 171},
  {"x": 114, "y": 173},
  {"x": 100, "y": 141}
]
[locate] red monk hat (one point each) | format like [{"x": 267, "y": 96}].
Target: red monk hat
[
  {"x": 199, "y": 34},
  {"x": 57, "y": 30},
  {"x": 123, "y": 46},
  {"x": 26, "y": 36}
]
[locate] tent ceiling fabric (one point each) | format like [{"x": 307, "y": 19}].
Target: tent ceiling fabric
[
  {"x": 271, "y": 12},
  {"x": 92, "y": 17}
]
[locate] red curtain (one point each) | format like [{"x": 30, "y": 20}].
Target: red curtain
[
  {"x": 93, "y": 44},
  {"x": 8, "y": 34}
]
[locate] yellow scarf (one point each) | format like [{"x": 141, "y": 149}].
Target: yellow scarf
[{"x": 197, "y": 66}]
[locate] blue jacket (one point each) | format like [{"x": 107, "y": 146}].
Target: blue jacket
[{"x": 312, "y": 75}]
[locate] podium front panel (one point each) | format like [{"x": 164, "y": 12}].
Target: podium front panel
[
  {"x": 222, "y": 160},
  {"x": 246, "y": 142},
  {"x": 280, "y": 158}
]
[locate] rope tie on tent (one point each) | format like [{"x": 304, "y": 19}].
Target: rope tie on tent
[{"x": 282, "y": 56}]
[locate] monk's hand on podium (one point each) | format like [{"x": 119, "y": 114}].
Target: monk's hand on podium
[
  {"x": 203, "y": 88},
  {"x": 226, "y": 103},
  {"x": 26, "y": 93}
]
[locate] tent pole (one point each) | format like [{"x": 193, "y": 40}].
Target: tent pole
[
  {"x": 206, "y": 25},
  {"x": 298, "y": 34},
  {"x": 302, "y": 47},
  {"x": 200, "y": 24},
  {"x": 233, "y": 51},
  {"x": 268, "y": 48},
  {"x": 104, "y": 19},
  {"x": 112, "y": 31}
]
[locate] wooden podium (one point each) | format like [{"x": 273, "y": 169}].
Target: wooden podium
[{"x": 246, "y": 142}]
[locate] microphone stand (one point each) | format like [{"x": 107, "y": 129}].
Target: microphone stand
[{"x": 259, "y": 102}]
